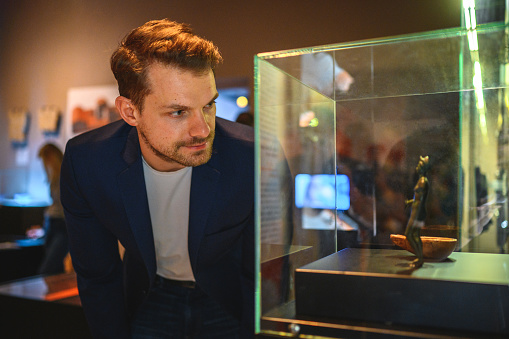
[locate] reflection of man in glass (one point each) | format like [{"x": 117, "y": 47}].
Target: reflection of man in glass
[
  {"x": 321, "y": 72},
  {"x": 418, "y": 214}
]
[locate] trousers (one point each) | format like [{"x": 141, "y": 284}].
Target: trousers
[{"x": 181, "y": 311}]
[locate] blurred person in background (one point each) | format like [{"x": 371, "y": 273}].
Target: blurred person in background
[{"x": 54, "y": 231}]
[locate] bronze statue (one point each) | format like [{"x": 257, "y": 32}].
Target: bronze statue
[{"x": 418, "y": 214}]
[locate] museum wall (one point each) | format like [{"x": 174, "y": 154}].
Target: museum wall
[{"x": 51, "y": 46}]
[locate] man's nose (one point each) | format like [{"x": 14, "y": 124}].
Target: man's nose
[{"x": 199, "y": 127}]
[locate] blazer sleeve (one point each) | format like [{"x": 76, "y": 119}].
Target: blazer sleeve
[{"x": 95, "y": 257}]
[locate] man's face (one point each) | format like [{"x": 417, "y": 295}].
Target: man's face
[{"x": 176, "y": 126}]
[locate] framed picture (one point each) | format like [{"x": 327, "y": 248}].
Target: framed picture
[{"x": 90, "y": 107}]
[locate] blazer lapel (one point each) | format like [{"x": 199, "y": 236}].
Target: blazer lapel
[
  {"x": 131, "y": 183},
  {"x": 204, "y": 185}
]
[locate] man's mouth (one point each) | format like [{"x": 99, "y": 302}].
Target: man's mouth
[
  {"x": 198, "y": 144},
  {"x": 198, "y": 147}
]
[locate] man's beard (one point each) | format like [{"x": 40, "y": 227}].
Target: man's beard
[{"x": 172, "y": 153}]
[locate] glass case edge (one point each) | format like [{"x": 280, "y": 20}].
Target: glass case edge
[
  {"x": 454, "y": 31},
  {"x": 257, "y": 230}
]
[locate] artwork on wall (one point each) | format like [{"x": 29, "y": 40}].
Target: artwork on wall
[
  {"x": 50, "y": 118},
  {"x": 19, "y": 122},
  {"x": 90, "y": 107}
]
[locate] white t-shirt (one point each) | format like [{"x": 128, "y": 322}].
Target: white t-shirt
[{"x": 168, "y": 201}]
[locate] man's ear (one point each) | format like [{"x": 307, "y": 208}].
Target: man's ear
[{"x": 127, "y": 110}]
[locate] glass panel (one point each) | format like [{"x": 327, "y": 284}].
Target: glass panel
[
  {"x": 295, "y": 124},
  {"x": 340, "y": 132}
]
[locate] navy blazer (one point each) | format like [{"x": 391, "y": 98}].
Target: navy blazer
[{"x": 105, "y": 201}]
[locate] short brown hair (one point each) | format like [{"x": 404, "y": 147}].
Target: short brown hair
[{"x": 168, "y": 42}]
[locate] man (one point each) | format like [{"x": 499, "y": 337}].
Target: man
[{"x": 175, "y": 186}]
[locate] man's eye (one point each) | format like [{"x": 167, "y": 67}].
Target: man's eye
[
  {"x": 211, "y": 104},
  {"x": 177, "y": 113}
]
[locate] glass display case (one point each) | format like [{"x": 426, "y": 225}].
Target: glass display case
[{"x": 340, "y": 130}]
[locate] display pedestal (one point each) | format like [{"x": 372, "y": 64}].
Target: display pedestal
[{"x": 467, "y": 291}]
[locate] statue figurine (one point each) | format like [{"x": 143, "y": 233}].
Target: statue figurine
[{"x": 418, "y": 213}]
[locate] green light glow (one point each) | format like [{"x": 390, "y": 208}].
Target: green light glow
[
  {"x": 478, "y": 85},
  {"x": 314, "y": 122},
  {"x": 480, "y": 99},
  {"x": 473, "y": 46},
  {"x": 469, "y": 8},
  {"x": 471, "y": 24},
  {"x": 472, "y": 41}
]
